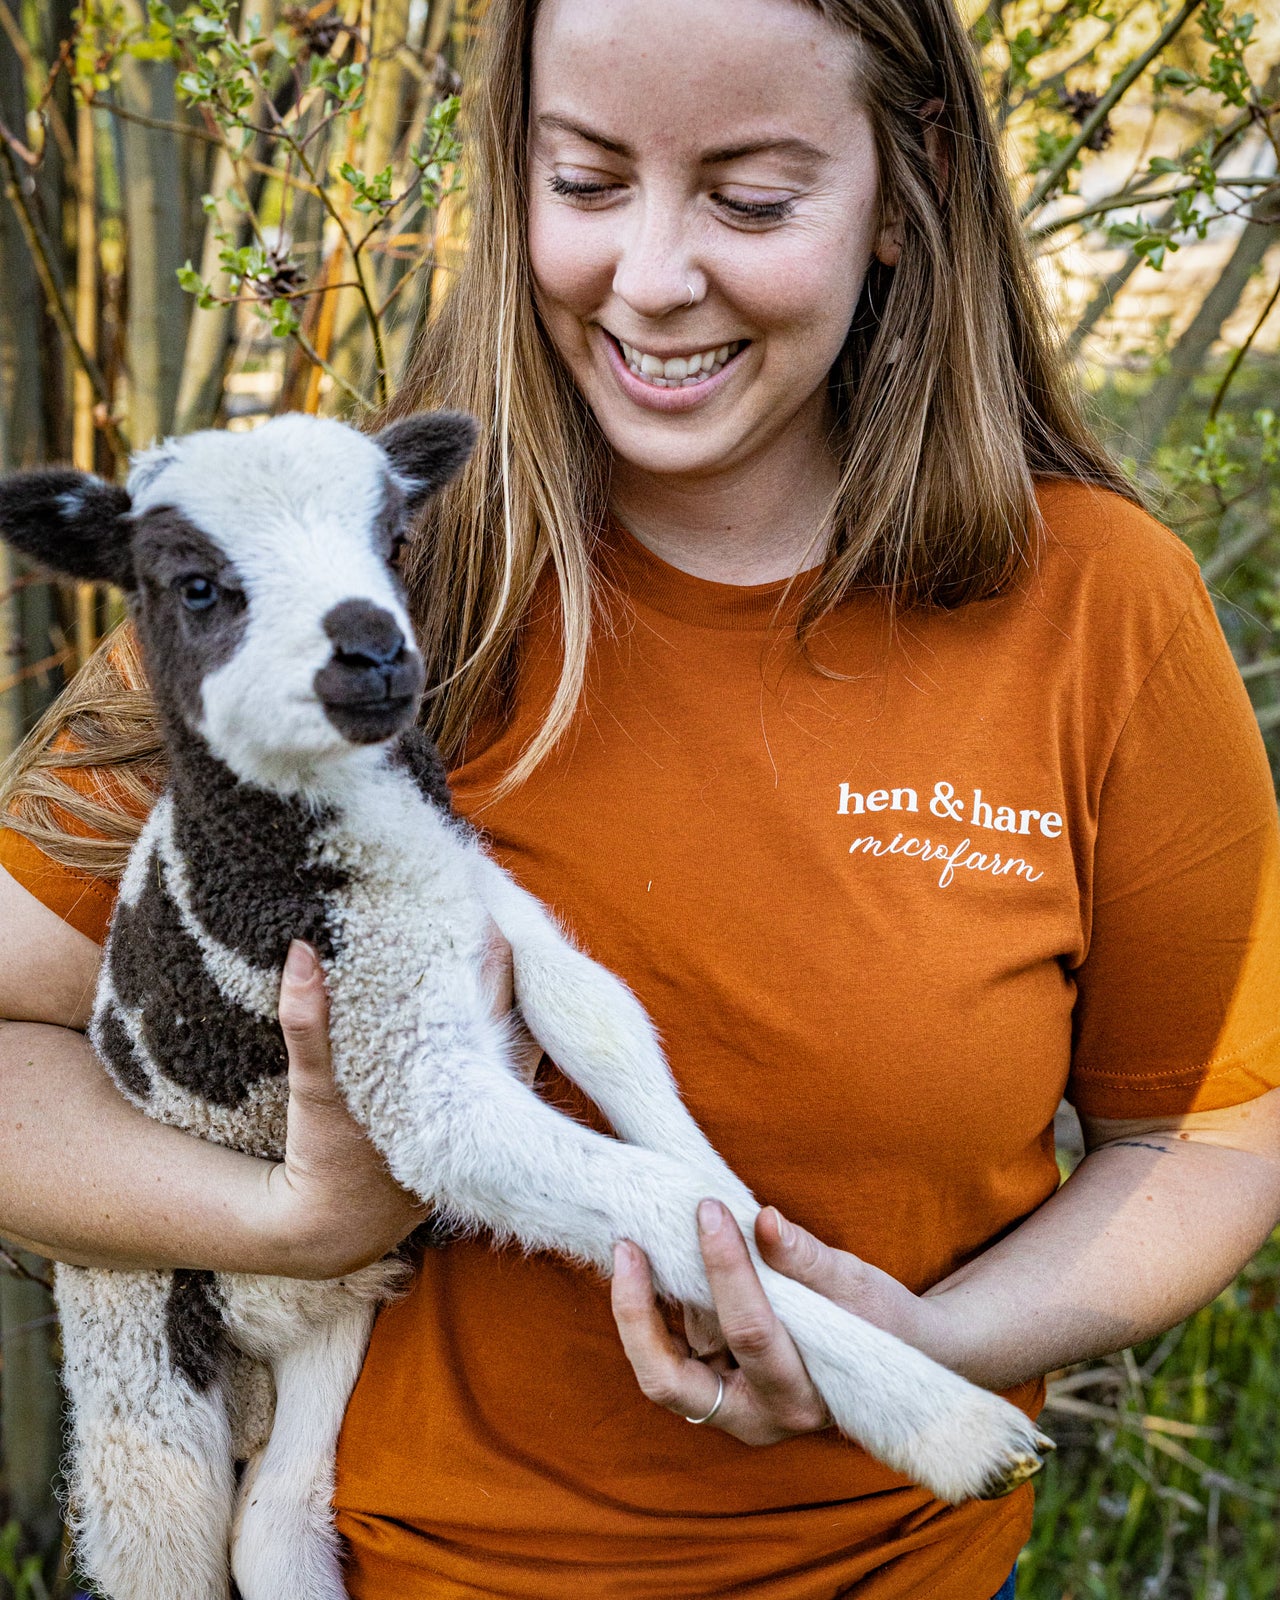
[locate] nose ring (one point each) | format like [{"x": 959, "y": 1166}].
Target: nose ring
[{"x": 692, "y": 296}]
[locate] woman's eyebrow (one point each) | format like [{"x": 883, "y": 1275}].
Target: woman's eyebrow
[
  {"x": 789, "y": 146},
  {"x": 553, "y": 119},
  {"x": 786, "y": 146}
]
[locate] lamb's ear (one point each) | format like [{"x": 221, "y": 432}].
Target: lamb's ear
[
  {"x": 71, "y": 522},
  {"x": 427, "y": 450}
]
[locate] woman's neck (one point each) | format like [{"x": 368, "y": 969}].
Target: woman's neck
[{"x": 754, "y": 522}]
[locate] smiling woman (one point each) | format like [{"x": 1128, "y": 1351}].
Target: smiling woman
[{"x": 782, "y": 503}]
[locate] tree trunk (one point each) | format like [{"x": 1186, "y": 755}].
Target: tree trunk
[
  {"x": 1187, "y": 358},
  {"x": 29, "y": 371},
  {"x": 151, "y": 183}
]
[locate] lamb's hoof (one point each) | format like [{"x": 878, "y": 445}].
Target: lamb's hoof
[{"x": 1018, "y": 1470}]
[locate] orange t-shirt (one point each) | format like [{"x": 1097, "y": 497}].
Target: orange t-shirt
[{"x": 884, "y": 918}]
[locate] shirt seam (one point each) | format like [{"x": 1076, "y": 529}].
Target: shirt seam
[{"x": 1215, "y": 1067}]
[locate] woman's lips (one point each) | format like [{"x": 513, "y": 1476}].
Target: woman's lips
[{"x": 652, "y": 398}]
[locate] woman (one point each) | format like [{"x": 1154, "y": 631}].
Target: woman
[{"x": 801, "y": 647}]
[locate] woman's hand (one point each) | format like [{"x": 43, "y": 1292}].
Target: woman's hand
[
  {"x": 767, "y": 1392},
  {"x": 330, "y": 1204}
]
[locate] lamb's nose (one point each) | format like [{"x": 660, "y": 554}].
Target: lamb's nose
[{"x": 364, "y": 635}]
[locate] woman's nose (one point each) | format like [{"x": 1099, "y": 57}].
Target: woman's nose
[{"x": 655, "y": 274}]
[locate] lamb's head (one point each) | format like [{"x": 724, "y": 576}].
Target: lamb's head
[{"x": 261, "y": 570}]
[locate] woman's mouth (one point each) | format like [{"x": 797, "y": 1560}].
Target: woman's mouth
[
  {"x": 678, "y": 372},
  {"x": 671, "y": 383}
]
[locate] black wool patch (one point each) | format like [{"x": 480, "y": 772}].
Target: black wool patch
[
  {"x": 247, "y": 854},
  {"x": 198, "y": 1038},
  {"x": 416, "y": 754},
  {"x": 115, "y": 1050},
  {"x": 198, "y": 1345}
]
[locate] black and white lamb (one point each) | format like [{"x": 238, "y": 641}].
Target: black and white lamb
[{"x": 304, "y": 804}]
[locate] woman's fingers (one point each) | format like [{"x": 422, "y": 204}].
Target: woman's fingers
[
  {"x": 304, "y": 1021},
  {"x": 790, "y": 1249},
  {"x": 332, "y": 1195},
  {"x": 761, "y": 1346},
  {"x": 852, "y": 1283},
  {"x": 665, "y": 1370}
]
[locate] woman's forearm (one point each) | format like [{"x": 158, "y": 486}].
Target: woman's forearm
[
  {"x": 86, "y": 1178},
  {"x": 1148, "y": 1229}
]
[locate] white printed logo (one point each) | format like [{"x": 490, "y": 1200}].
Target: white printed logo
[{"x": 946, "y": 805}]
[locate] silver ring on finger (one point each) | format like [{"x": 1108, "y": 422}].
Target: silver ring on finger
[{"x": 715, "y": 1405}]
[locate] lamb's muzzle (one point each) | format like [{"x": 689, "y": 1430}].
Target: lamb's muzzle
[{"x": 371, "y": 686}]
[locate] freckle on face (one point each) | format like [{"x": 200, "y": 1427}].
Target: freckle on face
[{"x": 735, "y": 73}]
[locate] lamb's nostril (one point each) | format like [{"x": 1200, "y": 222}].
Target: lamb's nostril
[
  {"x": 364, "y": 635},
  {"x": 369, "y": 656}
]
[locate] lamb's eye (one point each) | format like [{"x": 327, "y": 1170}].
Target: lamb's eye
[
  {"x": 398, "y": 547},
  {"x": 197, "y": 594}
]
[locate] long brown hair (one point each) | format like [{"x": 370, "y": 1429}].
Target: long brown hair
[{"x": 950, "y": 394}]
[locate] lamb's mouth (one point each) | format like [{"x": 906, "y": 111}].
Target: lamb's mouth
[
  {"x": 370, "y": 721},
  {"x": 677, "y": 372}
]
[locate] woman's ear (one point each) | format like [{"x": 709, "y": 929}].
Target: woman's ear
[{"x": 888, "y": 246}]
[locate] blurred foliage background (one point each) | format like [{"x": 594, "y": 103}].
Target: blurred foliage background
[{"x": 216, "y": 211}]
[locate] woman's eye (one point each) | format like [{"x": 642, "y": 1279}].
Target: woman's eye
[
  {"x": 756, "y": 210},
  {"x": 197, "y": 594},
  {"x": 579, "y": 188}
]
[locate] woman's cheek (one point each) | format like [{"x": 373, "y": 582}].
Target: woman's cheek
[
  {"x": 802, "y": 292},
  {"x": 570, "y": 261}
]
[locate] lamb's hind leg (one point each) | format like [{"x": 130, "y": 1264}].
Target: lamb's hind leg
[
  {"x": 598, "y": 1033},
  {"x": 150, "y": 1479},
  {"x": 285, "y": 1545},
  {"x": 490, "y": 1150}
]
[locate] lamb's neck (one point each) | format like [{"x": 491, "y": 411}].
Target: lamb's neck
[{"x": 249, "y": 855}]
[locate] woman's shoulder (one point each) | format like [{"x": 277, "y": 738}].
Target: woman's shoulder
[
  {"x": 1096, "y": 527},
  {"x": 1109, "y": 572}
]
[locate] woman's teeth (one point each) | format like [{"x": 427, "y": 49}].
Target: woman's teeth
[{"x": 681, "y": 372}]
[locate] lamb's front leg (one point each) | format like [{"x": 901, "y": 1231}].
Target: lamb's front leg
[
  {"x": 597, "y": 1032},
  {"x": 484, "y": 1148}
]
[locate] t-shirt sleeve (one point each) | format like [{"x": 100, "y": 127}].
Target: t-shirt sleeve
[
  {"x": 1178, "y": 998},
  {"x": 83, "y": 901}
]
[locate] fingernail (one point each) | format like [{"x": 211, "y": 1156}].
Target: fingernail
[
  {"x": 786, "y": 1232},
  {"x": 623, "y": 1255},
  {"x": 299, "y": 964},
  {"x": 710, "y": 1216}
]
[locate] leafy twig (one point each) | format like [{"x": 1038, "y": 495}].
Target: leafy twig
[{"x": 317, "y": 360}]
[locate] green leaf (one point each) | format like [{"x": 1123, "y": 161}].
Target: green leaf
[{"x": 284, "y": 319}]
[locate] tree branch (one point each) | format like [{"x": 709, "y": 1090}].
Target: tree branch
[
  {"x": 1242, "y": 352},
  {"x": 1120, "y": 86}
]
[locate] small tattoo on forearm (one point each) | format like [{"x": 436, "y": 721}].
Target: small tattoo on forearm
[{"x": 1140, "y": 1144}]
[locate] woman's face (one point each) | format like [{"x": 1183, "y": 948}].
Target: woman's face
[{"x": 702, "y": 214}]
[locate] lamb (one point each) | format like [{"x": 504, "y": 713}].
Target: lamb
[{"x": 304, "y": 802}]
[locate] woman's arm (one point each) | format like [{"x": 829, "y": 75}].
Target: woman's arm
[
  {"x": 1158, "y": 1218},
  {"x": 87, "y": 1178}
]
